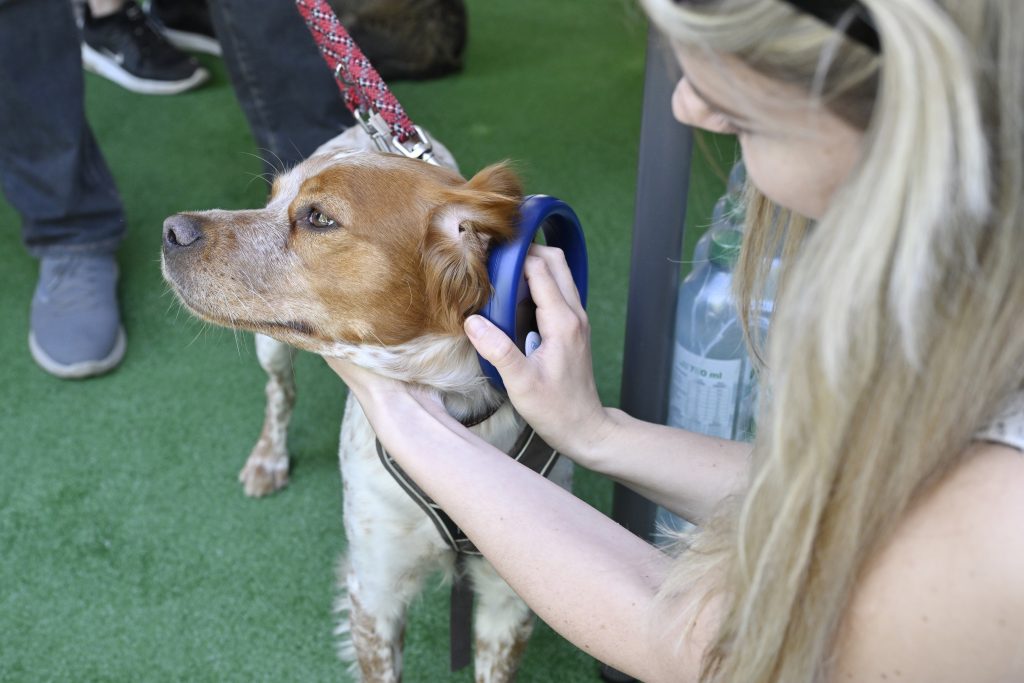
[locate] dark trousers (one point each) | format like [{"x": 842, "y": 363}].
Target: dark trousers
[
  {"x": 51, "y": 169},
  {"x": 285, "y": 88}
]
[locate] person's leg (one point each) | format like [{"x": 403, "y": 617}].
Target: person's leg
[
  {"x": 52, "y": 172},
  {"x": 51, "y": 169},
  {"x": 287, "y": 93}
]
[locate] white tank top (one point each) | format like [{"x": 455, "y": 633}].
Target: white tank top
[{"x": 1007, "y": 427}]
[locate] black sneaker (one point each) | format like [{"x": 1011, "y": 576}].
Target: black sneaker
[
  {"x": 126, "y": 48},
  {"x": 187, "y": 24}
]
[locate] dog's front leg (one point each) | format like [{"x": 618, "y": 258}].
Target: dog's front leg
[
  {"x": 502, "y": 624},
  {"x": 383, "y": 572},
  {"x": 266, "y": 470},
  {"x": 392, "y": 548},
  {"x": 372, "y": 628}
]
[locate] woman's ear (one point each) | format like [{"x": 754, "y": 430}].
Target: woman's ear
[{"x": 470, "y": 218}]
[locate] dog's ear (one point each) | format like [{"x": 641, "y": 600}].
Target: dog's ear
[{"x": 471, "y": 217}]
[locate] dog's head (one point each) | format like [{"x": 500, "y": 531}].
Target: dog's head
[{"x": 353, "y": 248}]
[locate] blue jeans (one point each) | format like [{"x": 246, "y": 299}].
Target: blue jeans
[
  {"x": 51, "y": 169},
  {"x": 285, "y": 88}
]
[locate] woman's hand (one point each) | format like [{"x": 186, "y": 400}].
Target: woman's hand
[
  {"x": 553, "y": 388},
  {"x": 381, "y": 397}
]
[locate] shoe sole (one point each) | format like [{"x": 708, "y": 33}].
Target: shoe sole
[
  {"x": 98, "y": 63},
  {"x": 192, "y": 42},
  {"x": 88, "y": 368}
]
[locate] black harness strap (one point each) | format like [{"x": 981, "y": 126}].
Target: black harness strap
[
  {"x": 529, "y": 450},
  {"x": 460, "y": 617}
]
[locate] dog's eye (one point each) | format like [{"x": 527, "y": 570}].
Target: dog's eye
[{"x": 318, "y": 220}]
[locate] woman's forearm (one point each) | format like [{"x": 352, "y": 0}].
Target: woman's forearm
[
  {"x": 686, "y": 472},
  {"x": 590, "y": 579}
]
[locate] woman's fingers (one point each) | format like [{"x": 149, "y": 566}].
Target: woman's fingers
[
  {"x": 500, "y": 351},
  {"x": 559, "y": 271},
  {"x": 553, "y": 388},
  {"x": 560, "y": 319}
]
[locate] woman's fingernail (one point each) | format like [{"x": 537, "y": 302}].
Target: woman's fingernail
[{"x": 475, "y": 326}]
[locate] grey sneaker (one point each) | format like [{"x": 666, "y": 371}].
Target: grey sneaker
[{"x": 75, "y": 327}]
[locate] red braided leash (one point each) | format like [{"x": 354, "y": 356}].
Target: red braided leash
[{"x": 365, "y": 93}]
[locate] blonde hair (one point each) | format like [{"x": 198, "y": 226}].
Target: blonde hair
[{"x": 897, "y": 329}]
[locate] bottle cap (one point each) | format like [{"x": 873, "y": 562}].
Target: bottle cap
[{"x": 725, "y": 247}]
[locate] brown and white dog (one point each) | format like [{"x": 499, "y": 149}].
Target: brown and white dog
[{"x": 376, "y": 258}]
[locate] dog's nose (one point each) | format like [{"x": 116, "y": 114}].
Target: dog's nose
[{"x": 181, "y": 231}]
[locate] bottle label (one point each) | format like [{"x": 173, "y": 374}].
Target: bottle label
[{"x": 705, "y": 394}]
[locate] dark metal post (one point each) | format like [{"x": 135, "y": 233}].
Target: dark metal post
[{"x": 663, "y": 179}]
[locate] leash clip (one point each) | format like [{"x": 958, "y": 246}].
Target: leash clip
[
  {"x": 340, "y": 75},
  {"x": 376, "y": 127},
  {"x": 422, "y": 148}
]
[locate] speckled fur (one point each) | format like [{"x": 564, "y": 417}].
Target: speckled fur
[{"x": 392, "y": 545}]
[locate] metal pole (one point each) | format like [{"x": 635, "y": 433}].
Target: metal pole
[{"x": 663, "y": 178}]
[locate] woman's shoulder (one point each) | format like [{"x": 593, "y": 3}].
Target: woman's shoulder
[{"x": 943, "y": 599}]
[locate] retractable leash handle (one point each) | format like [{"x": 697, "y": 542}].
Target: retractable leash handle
[{"x": 510, "y": 306}]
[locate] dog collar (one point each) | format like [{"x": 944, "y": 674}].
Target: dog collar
[{"x": 474, "y": 421}]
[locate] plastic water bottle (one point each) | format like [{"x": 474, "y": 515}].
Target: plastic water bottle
[
  {"x": 713, "y": 384},
  {"x": 713, "y": 388}
]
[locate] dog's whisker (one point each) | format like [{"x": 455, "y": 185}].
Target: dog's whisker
[
  {"x": 282, "y": 166},
  {"x": 253, "y": 290},
  {"x": 266, "y": 162},
  {"x": 298, "y": 152},
  {"x": 199, "y": 333},
  {"x": 253, "y": 177},
  {"x": 279, "y": 167}
]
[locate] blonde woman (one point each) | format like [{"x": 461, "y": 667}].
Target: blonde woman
[{"x": 874, "y": 531}]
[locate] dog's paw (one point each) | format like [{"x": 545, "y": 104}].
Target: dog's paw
[{"x": 262, "y": 476}]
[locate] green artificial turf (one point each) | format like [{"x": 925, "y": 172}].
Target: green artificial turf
[{"x": 127, "y": 549}]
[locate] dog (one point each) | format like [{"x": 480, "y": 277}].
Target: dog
[{"x": 378, "y": 259}]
